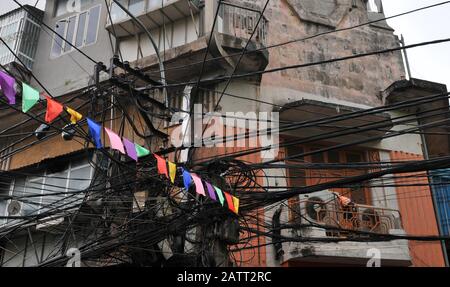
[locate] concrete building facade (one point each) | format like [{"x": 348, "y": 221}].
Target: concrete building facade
[{"x": 182, "y": 32}]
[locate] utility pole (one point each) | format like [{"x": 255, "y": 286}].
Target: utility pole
[{"x": 405, "y": 55}]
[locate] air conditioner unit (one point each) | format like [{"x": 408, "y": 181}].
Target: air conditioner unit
[{"x": 316, "y": 207}]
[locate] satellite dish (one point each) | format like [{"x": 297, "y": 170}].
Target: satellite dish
[{"x": 14, "y": 208}]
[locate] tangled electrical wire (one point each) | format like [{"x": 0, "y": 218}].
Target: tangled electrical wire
[{"x": 130, "y": 215}]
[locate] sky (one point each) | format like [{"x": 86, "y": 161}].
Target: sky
[
  {"x": 8, "y": 5},
  {"x": 428, "y": 63}
]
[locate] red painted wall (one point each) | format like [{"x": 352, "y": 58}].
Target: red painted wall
[{"x": 418, "y": 217}]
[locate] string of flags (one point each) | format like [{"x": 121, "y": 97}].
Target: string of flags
[
  {"x": 169, "y": 170},
  {"x": 30, "y": 97}
]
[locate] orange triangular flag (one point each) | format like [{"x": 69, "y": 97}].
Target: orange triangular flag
[
  {"x": 230, "y": 202},
  {"x": 54, "y": 109},
  {"x": 162, "y": 166}
]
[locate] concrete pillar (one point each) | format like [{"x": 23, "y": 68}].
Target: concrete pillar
[{"x": 210, "y": 11}]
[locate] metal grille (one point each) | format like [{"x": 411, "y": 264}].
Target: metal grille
[{"x": 241, "y": 22}]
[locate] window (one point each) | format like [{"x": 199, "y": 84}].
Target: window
[
  {"x": 333, "y": 157},
  {"x": 28, "y": 42},
  {"x": 317, "y": 157},
  {"x": 50, "y": 189},
  {"x": 70, "y": 33},
  {"x": 154, "y": 4},
  {"x": 79, "y": 41},
  {"x": 116, "y": 12},
  {"x": 91, "y": 33},
  {"x": 136, "y": 7},
  {"x": 58, "y": 41},
  {"x": 9, "y": 34},
  {"x": 79, "y": 30},
  {"x": 354, "y": 157}
]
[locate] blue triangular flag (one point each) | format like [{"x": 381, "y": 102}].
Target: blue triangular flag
[
  {"x": 95, "y": 130},
  {"x": 187, "y": 179}
]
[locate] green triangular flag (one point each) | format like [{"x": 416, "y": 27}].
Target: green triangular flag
[
  {"x": 220, "y": 194},
  {"x": 141, "y": 151},
  {"x": 29, "y": 97}
]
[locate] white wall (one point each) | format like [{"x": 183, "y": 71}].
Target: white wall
[{"x": 178, "y": 33}]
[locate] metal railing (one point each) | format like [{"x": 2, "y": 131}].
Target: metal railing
[
  {"x": 141, "y": 7},
  {"x": 352, "y": 217},
  {"x": 240, "y": 19}
]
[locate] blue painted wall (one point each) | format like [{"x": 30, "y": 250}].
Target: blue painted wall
[{"x": 442, "y": 196}]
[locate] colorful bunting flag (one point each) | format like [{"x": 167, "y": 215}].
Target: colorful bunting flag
[
  {"x": 220, "y": 195},
  {"x": 236, "y": 204},
  {"x": 230, "y": 201},
  {"x": 95, "y": 131},
  {"x": 211, "y": 192},
  {"x": 141, "y": 151},
  {"x": 115, "y": 141},
  {"x": 74, "y": 115},
  {"x": 162, "y": 165},
  {"x": 54, "y": 109},
  {"x": 130, "y": 148},
  {"x": 30, "y": 97},
  {"x": 172, "y": 171},
  {"x": 187, "y": 179},
  {"x": 198, "y": 184},
  {"x": 7, "y": 84}
]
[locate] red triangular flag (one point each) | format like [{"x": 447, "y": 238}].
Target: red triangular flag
[
  {"x": 162, "y": 165},
  {"x": 54, "y": 109},
  {"x": 230, "y": 201}
]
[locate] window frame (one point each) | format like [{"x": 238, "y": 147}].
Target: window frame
[
  {"x": 76, "y": 30},
  {"x": 88, "y": 21},
  {"x": 43, "y": 175}
]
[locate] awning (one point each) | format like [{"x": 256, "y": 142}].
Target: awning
[
  {"x": 437, "y": 138},
  {"x": 311, "y": 110}
]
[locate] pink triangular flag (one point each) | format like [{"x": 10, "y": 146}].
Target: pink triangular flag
[
  {"x": 116, "y": 142},
  {"x": 198, "y": 184}
]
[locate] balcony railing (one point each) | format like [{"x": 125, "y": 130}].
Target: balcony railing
[
  {"x": 330, "y": 213},
  {"x": 171, "y": 9},
  {"x": 240, "y": 19}
]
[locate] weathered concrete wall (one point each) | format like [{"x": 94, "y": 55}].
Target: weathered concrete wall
[
  {"x": 175, "y": 34},
  {"x": 355, "y": 82},
  {"x": 70, "y": 71},
  {"x": 358, "y": 81}
]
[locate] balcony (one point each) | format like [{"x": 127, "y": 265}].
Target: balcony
[
  {"x": 20, "y": 31},
  {"x": 321, "y": 215},
  {"x": 152, "y": 13},
  {"x": 235, "y": 24},
  {"x": 239, "y": 19}
]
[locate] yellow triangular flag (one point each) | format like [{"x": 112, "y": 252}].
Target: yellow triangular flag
[
  {"x": 172, "y": 171},
  {"x": 74, "y": 116},
  {"x": 236, "y": 204}
]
